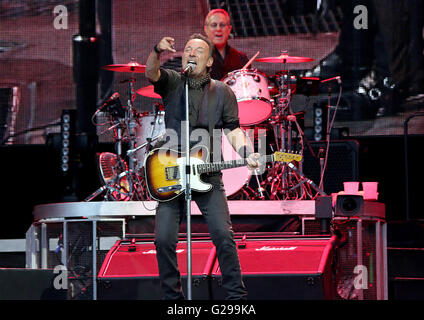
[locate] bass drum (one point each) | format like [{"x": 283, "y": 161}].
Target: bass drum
[{"x": 234, "y": 179}]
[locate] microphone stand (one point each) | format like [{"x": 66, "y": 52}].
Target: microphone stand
[{"x": 188, "y": 188}]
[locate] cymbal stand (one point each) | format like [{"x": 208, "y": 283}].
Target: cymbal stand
[
  {"x": 121, "y": 166},
  {"x": 282, "y": 135},
  {"x": 131, "y": 124},
  {"x": 146, "y": 144},
  {"x": 285, "y": 178}
]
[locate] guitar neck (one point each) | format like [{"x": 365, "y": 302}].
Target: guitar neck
[{"x": 217, "y": 166}]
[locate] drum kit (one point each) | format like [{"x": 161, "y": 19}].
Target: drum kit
[{"x": 265, "y": 116}]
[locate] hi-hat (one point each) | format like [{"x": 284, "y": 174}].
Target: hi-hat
[
  {"x": 148, "y": 92},
  {"x": 284, "y": 58},
  {"x": 131, "y": 67}
]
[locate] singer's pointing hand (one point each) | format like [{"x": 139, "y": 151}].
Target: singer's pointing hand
[{"x": 166, "y": 44}]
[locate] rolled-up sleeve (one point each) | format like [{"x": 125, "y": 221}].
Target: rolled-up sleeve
[{"x": 167, "y": 81}]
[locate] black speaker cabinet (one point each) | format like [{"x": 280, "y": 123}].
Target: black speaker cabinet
[
  {"x": 342, "y": 163},
  {"x": 29, "y": 284}
]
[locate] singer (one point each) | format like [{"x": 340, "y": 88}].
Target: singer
[{"x": 204, "y": 95}]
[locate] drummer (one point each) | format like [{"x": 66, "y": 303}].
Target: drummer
[{"x": 217, "y": 27}]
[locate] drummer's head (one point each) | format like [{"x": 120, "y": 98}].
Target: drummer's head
[
  {"x": 217, "y": 27},
  {"x": 198, "y": 49}
]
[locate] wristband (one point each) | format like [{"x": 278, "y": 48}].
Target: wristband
[
  {"x": 245, "y": 151},
  {"x": 157, "y": 49}
]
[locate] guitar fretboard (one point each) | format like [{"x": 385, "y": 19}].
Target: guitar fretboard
[{"x": 217, "y": 166}]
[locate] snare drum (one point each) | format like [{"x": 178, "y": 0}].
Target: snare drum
[{"x": 251, "y": 90}]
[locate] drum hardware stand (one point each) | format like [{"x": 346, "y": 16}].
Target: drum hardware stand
[
  {"x": 131, "y": 123},
  {"x": 260, "y": 189},
  {"x": 285, "y": 173},
  {"x": 127, "y": 120},
  {"x": 114, "y": 185},
  {"x": 110, "y": 186},
  {"x": 147, "y": 143},
  {"x": 156, "y": 110}
]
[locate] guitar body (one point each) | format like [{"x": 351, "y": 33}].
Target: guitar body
[
  {"x": 164, "y": 171},
  {"x": 165, "y": 174}
]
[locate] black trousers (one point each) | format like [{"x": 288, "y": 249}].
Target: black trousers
[{"x": 214, "y": 208}]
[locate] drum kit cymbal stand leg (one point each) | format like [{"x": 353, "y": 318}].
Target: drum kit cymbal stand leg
[{"x": 131, "y": 123}]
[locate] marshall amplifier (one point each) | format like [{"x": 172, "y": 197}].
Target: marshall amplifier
[
  {"x": 273, "y": 267},
  {"x": 130, "y": 270},
  {"x": 284, "y": 269}
]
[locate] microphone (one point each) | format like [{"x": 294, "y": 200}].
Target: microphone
[
  {"x": 338, "y": 78},
  {"x": 111, "y": 100},
  {"x": 189, "y": 68},
  {"x": 117, "y": 109}
]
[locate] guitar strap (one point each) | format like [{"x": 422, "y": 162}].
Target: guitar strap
[{"x": 212, "y": 99}]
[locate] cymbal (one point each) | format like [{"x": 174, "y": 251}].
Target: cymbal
[
  {"x": 284, "y": 58},
  {"x": 131, "y": 67},
  {"x": 148, "y": 92}
]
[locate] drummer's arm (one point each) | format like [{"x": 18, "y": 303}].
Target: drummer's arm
[{"x": 153, "y": 61}]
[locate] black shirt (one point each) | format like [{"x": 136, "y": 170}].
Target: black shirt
[
  {"x": 170, "y": 87},
  {"x": 234, "y": 60}
]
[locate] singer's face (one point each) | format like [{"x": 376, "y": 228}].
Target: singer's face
[
  {"x": 218, "y": 29},
  {"x": 197, "y": 51}
]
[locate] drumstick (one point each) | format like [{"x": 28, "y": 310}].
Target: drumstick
[{"x": 250, "y": 61}]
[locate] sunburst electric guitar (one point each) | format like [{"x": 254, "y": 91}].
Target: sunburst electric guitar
[{"x": 165, "y": 174}]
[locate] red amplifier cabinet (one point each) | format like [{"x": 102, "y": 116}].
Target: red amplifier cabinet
[
  {"x": 284, "y": 269},
  {"x": 273, "y": 268},
  {"x": 130, "y": 270}
]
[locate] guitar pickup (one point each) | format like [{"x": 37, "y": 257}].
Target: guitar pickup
[
  {"x": 172, "y": 173},
  {"x": 169, "y": 188}
]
